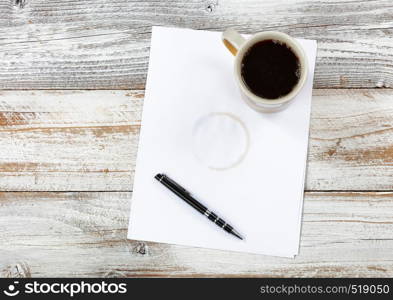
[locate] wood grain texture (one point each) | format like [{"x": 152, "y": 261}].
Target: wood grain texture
[
  {"x": 87, "y": 140},
  {"x": 102, "y": 44},
  {"x": 69, "y": 140},
  {"x": 84, "y": 234}
]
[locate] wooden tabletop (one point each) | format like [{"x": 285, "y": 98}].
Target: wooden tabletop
[{"x": 72, "y": 78}]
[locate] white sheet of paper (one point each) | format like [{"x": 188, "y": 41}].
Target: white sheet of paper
[{"x": 192, "y": 100}]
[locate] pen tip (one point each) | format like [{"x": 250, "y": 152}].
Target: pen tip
[{"x": 236, "y": 234}]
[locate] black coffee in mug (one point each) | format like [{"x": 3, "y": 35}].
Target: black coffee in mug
[{"x": 270, "y": 69}]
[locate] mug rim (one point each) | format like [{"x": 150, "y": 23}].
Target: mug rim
[{"x": 291, "y": 42}]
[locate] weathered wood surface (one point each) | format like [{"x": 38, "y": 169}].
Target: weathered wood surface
[
  {"x": 84, "y": 234},
  {"x": 87, "y": 140},
  {"x": 83, "y": 141},
  {"x": 100, "y": 44},
  {"x": 70, "y": 141}
]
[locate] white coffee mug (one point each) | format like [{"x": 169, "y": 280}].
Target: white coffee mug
[{"x": 239, "y": 46}]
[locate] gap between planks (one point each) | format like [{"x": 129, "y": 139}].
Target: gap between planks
[
  {"x": 143, "y": 90},
  {"x": 130, "y": 191}
]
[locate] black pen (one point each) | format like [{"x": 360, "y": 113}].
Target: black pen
[{"x": 186, "y": 196}]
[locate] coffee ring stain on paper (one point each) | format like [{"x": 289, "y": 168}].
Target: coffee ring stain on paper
[{"x": 220, "y": 140}]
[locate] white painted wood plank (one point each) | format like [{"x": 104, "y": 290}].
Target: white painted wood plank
[
  {"x": 84, "y": 234},
  {"x": 69, "y": 140},
  {"x": 87, "y": 140},
  {"x": 351, "y": 141},
  {"x": 102, "y": 44}
]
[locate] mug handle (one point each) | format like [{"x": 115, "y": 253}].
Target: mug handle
[{"x": 232, "y": 40}]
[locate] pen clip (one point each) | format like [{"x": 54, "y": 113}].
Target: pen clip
[{"x": 175, "y": 184}]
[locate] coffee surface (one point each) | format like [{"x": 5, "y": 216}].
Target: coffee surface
[{"x": 270, "y": 69}]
